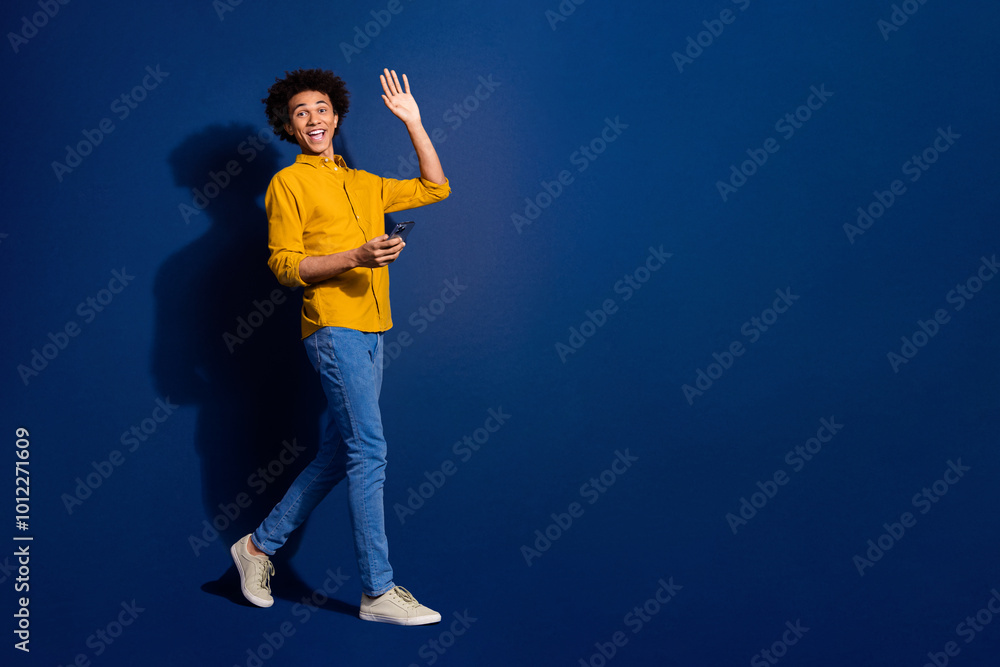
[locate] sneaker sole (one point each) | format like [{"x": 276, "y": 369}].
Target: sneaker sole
[
  {"x": 394, "y": 620},
  {"x": 260, "y": 602}
]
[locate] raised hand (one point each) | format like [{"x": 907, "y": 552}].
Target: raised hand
[{"x": 398, "y": 98}]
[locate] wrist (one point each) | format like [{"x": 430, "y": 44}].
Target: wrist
[{"x": 353, "y": 261}]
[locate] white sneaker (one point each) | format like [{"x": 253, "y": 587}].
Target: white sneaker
[
  {"x": 398, "y": 607},
  {"x": 255, "y": 574}
]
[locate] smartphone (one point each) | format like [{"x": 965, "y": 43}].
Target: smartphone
[{"x": 402, "y": 230}]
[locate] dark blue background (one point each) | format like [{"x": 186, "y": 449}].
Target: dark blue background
[{"x": 134, "y": 538}]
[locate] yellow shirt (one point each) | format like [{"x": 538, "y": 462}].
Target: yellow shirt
[{"x": 318, "y": 206}]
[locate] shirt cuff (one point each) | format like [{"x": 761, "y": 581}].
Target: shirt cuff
[
  {"x": 286, "y": 269},
  {"x": 436, "y": 188}
]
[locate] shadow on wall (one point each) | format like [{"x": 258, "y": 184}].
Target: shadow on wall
[{"x": 227, "y": 341}]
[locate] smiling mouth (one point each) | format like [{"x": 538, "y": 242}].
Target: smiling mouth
[{"x": 316, "y": 135}]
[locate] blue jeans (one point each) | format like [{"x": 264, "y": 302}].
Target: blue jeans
[{"x": 349, "y": 364}]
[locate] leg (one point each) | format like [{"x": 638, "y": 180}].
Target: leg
[
  {"x": 350, "y": 366},
  {"x": 308, "y": 489}
]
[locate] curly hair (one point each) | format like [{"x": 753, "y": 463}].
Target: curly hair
[{"x": 320, "y": 80}]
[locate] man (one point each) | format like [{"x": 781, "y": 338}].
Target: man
[{"x": 326, "y": 233}]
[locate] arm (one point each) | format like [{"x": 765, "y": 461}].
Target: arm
[
  {"x": 378, "y": 252},
  {"x": 401, "y": 103}
]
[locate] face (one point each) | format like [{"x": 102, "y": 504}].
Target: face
[{"x": 313, "y": 121}]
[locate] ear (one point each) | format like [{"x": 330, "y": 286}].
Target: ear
[{"x": 289, "y": 130}]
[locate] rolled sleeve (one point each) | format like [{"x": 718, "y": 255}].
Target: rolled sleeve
[
  {"x": 398, "y": 195},
  {"x": 284, "y": 234}
]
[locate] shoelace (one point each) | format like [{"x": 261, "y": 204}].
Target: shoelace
[
  {"x": 406, "y": 596},
  {"x": 265, "y": 575}
]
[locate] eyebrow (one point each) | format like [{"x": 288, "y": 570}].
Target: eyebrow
[{"x": 303, "y": 104}]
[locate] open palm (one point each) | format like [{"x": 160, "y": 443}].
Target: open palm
[{"x": 398, "y": 98}]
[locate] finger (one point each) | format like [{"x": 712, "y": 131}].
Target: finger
[
  {"x": 385, "y": 84},
  {"x": 406, "y": 83},
  {"x": 395, "y": 80},
  {"x": 385, "y": 258},
  {"x": 390, "y": 77}
]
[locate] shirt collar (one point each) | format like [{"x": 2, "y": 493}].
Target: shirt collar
[{"x": 319, "y": 160}]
